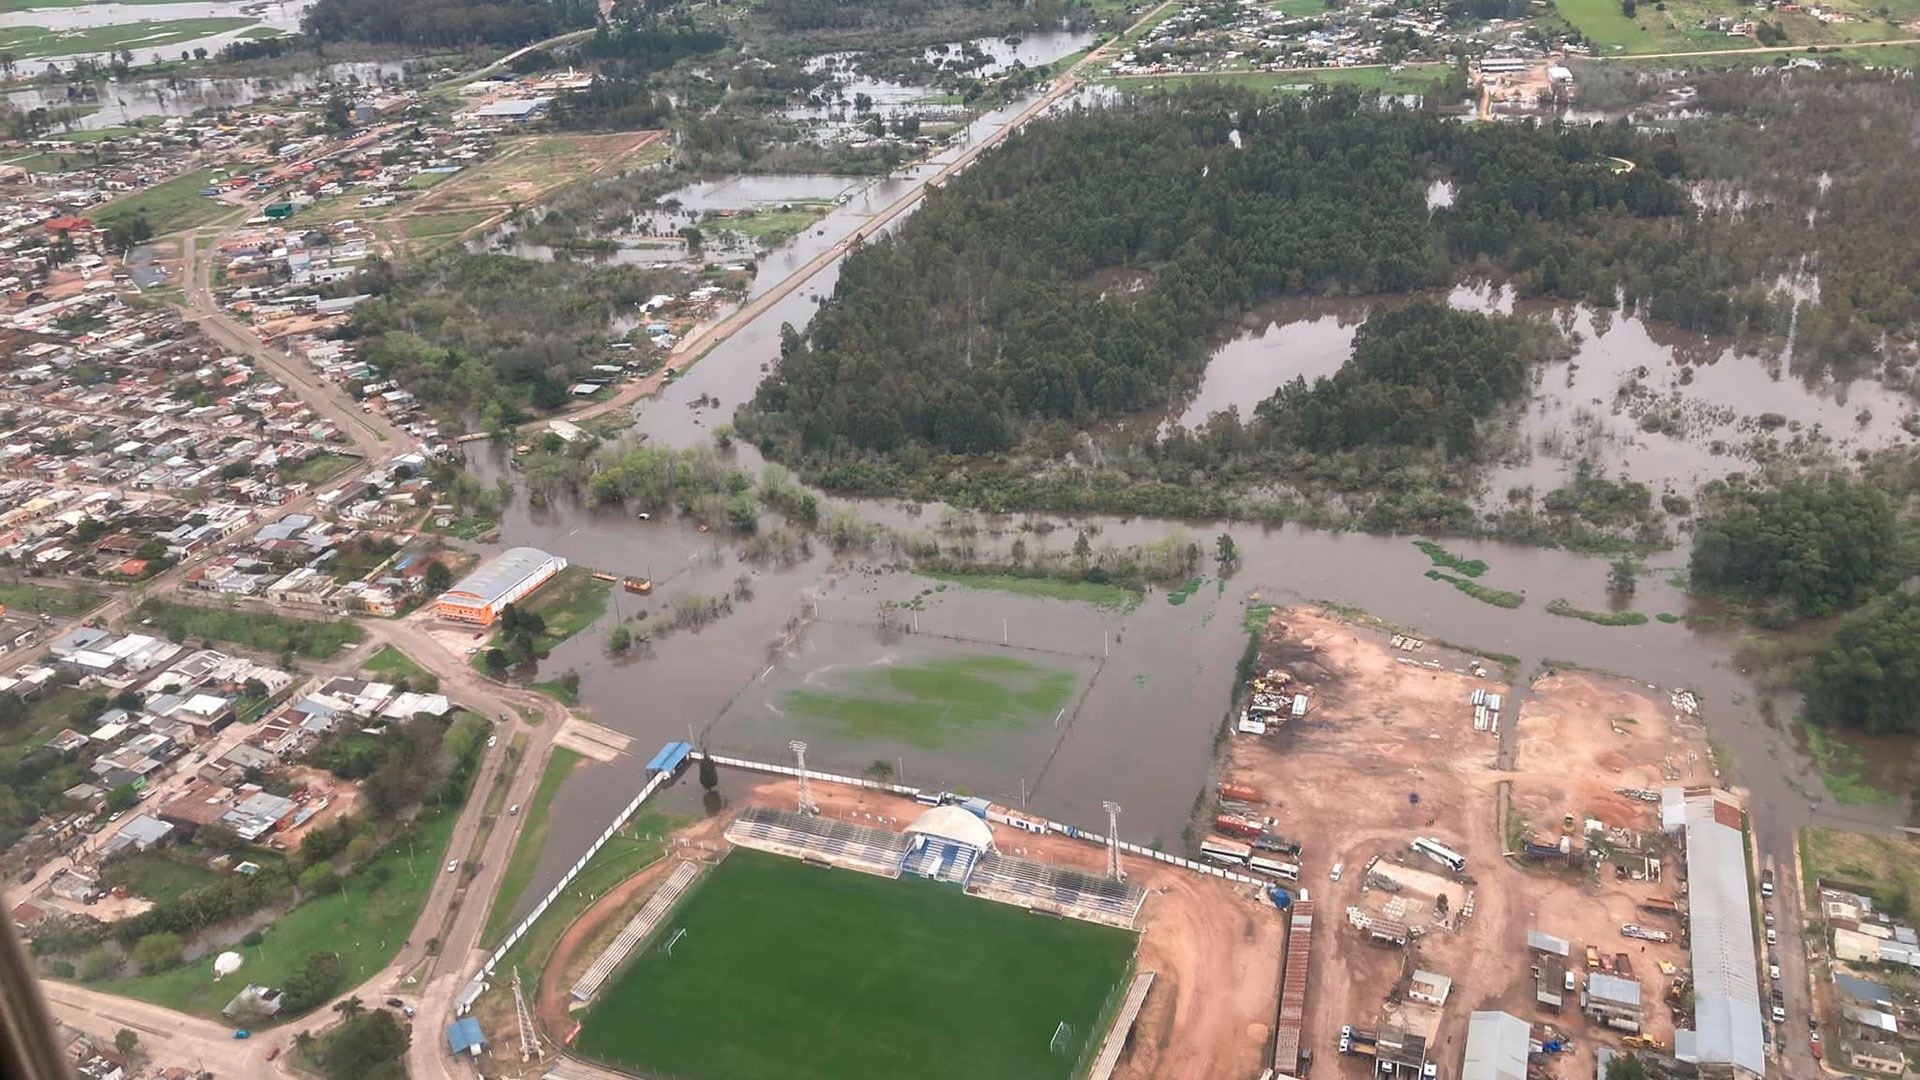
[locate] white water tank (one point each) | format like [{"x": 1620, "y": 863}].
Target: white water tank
[{"x": 226, "y": 964}]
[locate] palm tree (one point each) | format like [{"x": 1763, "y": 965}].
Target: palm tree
[
  {"x": 350, "y": 1008},
  {"x": 303, "y": 1043}
]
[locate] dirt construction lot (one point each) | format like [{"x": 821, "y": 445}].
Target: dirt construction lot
[
  {"x": 1213, "y": 946},
  {"x": 1388, "y": 752}
]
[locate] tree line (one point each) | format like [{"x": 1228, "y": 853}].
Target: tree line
[
  {"x": 443, "y": 23},
  {"x": 1810, "y": 548}
]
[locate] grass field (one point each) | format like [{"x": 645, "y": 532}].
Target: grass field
[
  {"x": 528, "y": 846},
  {"x": 26, "y": 42},
  {"x": 20, "y": 596},
  {"x": 1842, "y": 767},
  {"x": 1085, "y": 592},
  {"x": 772, "y": 227},
  {"x": 789, "y": 970},
  {"x": 171, "y": 206},
  {"x": 157, "y": 877},
  {"x": 625, "y": 854},
  {"x": 935, "y": 704},
  {"x": 364, "y": 923},
  {"x": 391, "y": 663},
  {"x": 319, "y": 468},
  {"x": 1888, "y": 863},
  {"x": 311, "y": 638}
]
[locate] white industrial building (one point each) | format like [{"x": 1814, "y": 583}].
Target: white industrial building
[{"x": 1727, "y": 1036}]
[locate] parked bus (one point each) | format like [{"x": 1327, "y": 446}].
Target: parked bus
[
  {"x": 1224, "y": 851},
  {"x": 1274, "y": 867},
  {"x": 1440, "y": 853}
]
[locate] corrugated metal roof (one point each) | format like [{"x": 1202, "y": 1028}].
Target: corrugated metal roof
[
  {"x": 1548, "y": 943},
  {"x": 1727, "y": 1028},
  {"x": 1614, "y": 989},
  {"x": 1497, "y": 1045},
  {"x": 497, "y": 577}
]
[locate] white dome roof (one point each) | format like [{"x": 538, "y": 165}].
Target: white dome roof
[
  {"x": 226, "y": 964},
  {"x": 953, "y": 823}
]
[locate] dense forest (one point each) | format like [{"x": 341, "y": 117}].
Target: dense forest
[
  {"x": 1815, "y": 548},
  {"x": 1868, "y": 675},
  {"x": 487, "y": 336},
  {"x": 1421, "y": 375},
  {"x": 441, "y": 23},
  {"x": 1078, "y": 272}
]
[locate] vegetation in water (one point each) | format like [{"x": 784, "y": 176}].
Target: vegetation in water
[
  {"x": 1561, "y": 607},
  {"x": 1482, "y": 593},
  {"x": 1808, "y": 549},
  {"x": 1441, "y": 557}
]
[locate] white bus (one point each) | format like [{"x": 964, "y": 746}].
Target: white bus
[
  {"x": 1275, "y": 868},
  {"x": 1440, "y": 853},
  {"x": 1224, "y": 851}
]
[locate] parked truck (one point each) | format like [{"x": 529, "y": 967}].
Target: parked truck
[
  {"x": 1660, "y": 906},
  {"x": 1241, "y": 793},
  {"x": 1645, "y": 933},
  {"x": 1233, "y": 825},
  {"x": 1766, "y": 878},
  {"x": 1593, "y": 958}
]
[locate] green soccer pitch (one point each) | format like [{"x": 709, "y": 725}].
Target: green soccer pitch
[{"x": 796, "y": 971}]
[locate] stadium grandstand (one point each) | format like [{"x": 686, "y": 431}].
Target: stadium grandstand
[
  {"x": 804, "y": 836},
  {"x": 637, "y": 928},
  {"x": 1039, "y": 887},
  {"x": 947, "y": 841}
]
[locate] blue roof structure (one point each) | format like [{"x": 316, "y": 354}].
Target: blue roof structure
[
  {"x": 463, "y": 1035},
  {"x": 669, "y": 758}
]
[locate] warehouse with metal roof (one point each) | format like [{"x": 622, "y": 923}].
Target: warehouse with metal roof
[
  {"x": 1497, "y": 1047},
  {"x": 506, "y": 578},
  {"x": 1727, "y": 1032}
]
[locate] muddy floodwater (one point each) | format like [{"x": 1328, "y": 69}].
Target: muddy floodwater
[
  {"x": 122, "y": 101},
  {"x": 1152, "y": 683},
  {"x": 1668, "y": 408},
  {"x": 281, "y": 15}
]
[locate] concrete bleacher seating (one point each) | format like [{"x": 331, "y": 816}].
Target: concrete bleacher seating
[
  {"x": 875, "y": 851},
  {"x": 1052, "y": 888}
]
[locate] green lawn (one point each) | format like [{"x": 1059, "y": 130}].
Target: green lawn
[
  {"x": 528, "y": 846},
  {"x": 772, "y": 227},
  {"x": 1890, "y": 864},
  {"x": 53, "y": 599},
  {"x": 87, "y": 135},
  {"x": 311, "y": 638},
  {"x": 625, "y": 854},
  {"x": 318, "y": 469},
  {"x": 1842, "y": 766},
  {"x": 427, "y": 179},
  {"x": 365, "y": 924},
  {"x": 1084, "y": 592},
  {"x": 935, "y": 704},
  {"x": 435, "y": 226},
  {"x": 157, "y": 877},
  {"x": 1299, "y": 9},
  {"x": 569, "y": 603},
  {"x": 794, "y": 971},
  {"x": 391, "y": 663},
  {"x": 26, "y": 42},
  {"x": 171, "y": 206}
]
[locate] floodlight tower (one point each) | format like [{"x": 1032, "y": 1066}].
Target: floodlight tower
[
  {"x": 1113, "y": 842},
  {"x": 806, "y": 793}
]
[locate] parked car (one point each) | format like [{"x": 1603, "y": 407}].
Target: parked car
[
  {"x": 394, "y": 1003},
  {"x": 1773, "y": 972},
  {"x": 1334, "y": 874},
  {"x": 492, "y": 741},
  {"x": 452, "y": 865},
  {"x": 514, "y": 810},
  {"x": 242, "y": 1033},
  {"x": 273, "y": 1053},
  {"x": 1772, "y": 937}
]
